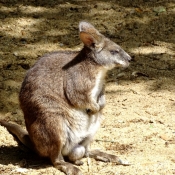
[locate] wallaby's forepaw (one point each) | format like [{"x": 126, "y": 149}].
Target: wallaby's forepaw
[
  {"x": 105, "y": 157},
  {"x": 94, "y": 107}
]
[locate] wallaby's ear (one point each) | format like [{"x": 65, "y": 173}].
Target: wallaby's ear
[
  {"x": 87, "y": 39},
  {"x": 89, "y": 35}
]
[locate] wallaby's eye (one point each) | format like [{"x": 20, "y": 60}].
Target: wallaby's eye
[{"x": 114, "y": 52}]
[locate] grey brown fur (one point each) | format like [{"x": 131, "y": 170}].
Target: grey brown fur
[{"x": 62, "y": 97}]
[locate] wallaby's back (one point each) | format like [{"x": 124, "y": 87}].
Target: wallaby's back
[{"x": 59, "y": 79}]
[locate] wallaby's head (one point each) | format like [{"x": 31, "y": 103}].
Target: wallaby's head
[{"x": 104, "y": 51}]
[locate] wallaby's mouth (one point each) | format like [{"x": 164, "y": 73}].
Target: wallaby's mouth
[
  {"x": 123, "y": 63},
  {"x": 126, "y": 64}
]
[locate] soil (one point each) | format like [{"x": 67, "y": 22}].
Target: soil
[{"x": 139, "y": 118}]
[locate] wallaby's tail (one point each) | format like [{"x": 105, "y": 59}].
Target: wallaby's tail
[{"x": 19, "y": 132}]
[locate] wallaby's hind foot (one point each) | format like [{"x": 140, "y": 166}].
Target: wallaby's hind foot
[
  {"x": 105, "y": 157},
  {"x": 67, "y": 168},
  {"x": 21, "y": 133}
]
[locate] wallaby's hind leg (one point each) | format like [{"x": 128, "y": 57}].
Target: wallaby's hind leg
[
  {"x": 49, "y": 140},
  {"x": 77, "y": 153},
  {"x": 21, "y": 134},
  {"x": 105, "y": 157}
]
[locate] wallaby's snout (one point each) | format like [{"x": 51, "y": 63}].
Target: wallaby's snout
[
  {"x": 127, "y": 59},
  {"x": 121, "y": 58}
]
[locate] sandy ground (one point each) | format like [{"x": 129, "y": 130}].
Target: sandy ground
[{"x": 139, "y": 118}]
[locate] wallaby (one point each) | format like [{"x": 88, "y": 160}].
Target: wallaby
[{"x": 62, "y": 97}]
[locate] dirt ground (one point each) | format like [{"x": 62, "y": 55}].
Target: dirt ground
[{"x": 139, "y": 118}]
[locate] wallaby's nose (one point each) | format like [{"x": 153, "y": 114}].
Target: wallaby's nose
[{"x": 129, "y": 57}]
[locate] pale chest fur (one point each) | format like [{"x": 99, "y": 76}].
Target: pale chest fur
[{"x": 99, "y": 83}]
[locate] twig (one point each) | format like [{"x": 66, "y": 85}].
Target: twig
[
  {"x": 89, "y": 164},
  {"x": 99, "y": 140}
]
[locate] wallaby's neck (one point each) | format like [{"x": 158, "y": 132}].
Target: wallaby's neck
[
  {"x": 85, "y": 54},
  {"x": 91, "y": 56}
]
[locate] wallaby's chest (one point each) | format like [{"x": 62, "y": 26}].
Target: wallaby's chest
[{"x": 99, "y": 84}]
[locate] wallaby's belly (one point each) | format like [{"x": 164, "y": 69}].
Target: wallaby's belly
[{"x": 82, "y": 132}]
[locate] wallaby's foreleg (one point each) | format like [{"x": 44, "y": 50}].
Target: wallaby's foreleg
[
  {"x": 101, "y": 100},
  {"x": 19, "y": 132}
]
